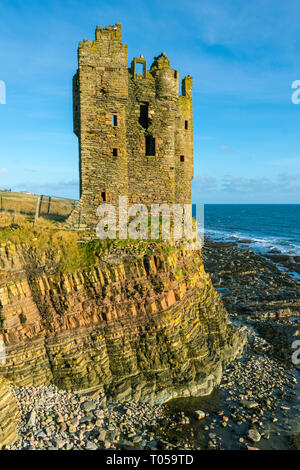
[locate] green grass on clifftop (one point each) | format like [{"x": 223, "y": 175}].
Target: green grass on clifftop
[{"x": 69, "y": 251}]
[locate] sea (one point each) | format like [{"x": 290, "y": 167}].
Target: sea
[
  {"x": 267, "y": 227},
  {"x": 264, "y": 228}
]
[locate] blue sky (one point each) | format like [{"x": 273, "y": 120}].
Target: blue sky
[{"x": 243, "y": 56}]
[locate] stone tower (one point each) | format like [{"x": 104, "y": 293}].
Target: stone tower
[{"x": 135, "y": 132}]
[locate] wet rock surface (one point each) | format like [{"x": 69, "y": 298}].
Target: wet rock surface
[
  {"x": 251, "y": 283},
  {"x": 257, "y": 403}
]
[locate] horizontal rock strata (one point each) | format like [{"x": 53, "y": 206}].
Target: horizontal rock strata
[{"x": 147, "y": 327}]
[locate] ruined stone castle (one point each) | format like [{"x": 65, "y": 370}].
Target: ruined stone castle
[{"x": 135, "y": 131}]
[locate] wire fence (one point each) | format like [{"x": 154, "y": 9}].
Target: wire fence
[{"x": 51, "y": 208}]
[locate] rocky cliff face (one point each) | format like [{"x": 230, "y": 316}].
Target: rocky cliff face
[
  {"x": 146, "y": 326},
  {"x": 9, "y": 415}
]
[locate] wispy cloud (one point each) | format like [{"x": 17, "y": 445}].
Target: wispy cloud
[
  {"x": 225, "y": 148},
  {"x": 243, "y": 57},
  {"x": 293, "y": 162},
  {"x": 3, "y": 170},
  {"x": 283, "y": 183},
  {"x": 62, "y": 188}
]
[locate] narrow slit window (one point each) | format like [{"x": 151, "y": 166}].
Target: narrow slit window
[
  {"x": 186, "y": 124},
  {"x": 175, "y": 74},
  {"x": 115, "y": 152},
  {"x": 144, "y": 115},
  {"x": 114, "y": 120},
  {"x": 103, "y": 196},
  {"x": 150, "y": 145},
  {"x": 182, "y": 158}
]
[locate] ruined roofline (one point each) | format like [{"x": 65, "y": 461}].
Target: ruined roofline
[
  {"x": 161, "y": 63},
  {"x": 111, "y": 32}
]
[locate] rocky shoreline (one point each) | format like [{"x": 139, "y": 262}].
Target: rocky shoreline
[
  {"x": 53, "y": 419},
  {"x": 257, "y": 403}
]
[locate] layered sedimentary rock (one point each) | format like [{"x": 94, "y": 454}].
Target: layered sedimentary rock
[
  {"x": 9, "y": 415},
  {"x": 143, "y": 327},
  {"x": 147, "y": 326}
]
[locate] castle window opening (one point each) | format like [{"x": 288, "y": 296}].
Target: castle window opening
[
  {"x": 115, "y": 152},
  {"x": 186, "y": 124},
  {"x": 144, "y": 115},
  {"x": 139, "y": 69},
  {"x": 114, "y": 120},
  {"x": 182, "y": 158},
  {"x": 175, "y": 74},
  {"x": 150, "y": 146},
  {"x": 103, "y": 196}
]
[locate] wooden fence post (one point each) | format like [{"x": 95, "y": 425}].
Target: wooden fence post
[
  {"x": 37, "y": 209},
  {"x": 49, "y": 204}
]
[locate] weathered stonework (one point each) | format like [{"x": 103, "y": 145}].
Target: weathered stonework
[{"x": 135, "y": 132}]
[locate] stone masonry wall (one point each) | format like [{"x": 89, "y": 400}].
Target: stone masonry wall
[{"x": 135, "y": 132}]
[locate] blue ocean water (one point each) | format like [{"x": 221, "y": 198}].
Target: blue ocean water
[{"x": 268, "y": 226}]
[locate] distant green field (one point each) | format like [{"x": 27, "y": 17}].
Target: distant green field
[
  {"x": 24, "y": 203},
  {"x": 11, "y": 194}
]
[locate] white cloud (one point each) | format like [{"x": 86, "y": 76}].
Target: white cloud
[
  {"x": 205, "y": 182},
  {"x": 69, "y": 188},
  {"x": 281, "y": 184},
  {"x": 3, "y": 170}
]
